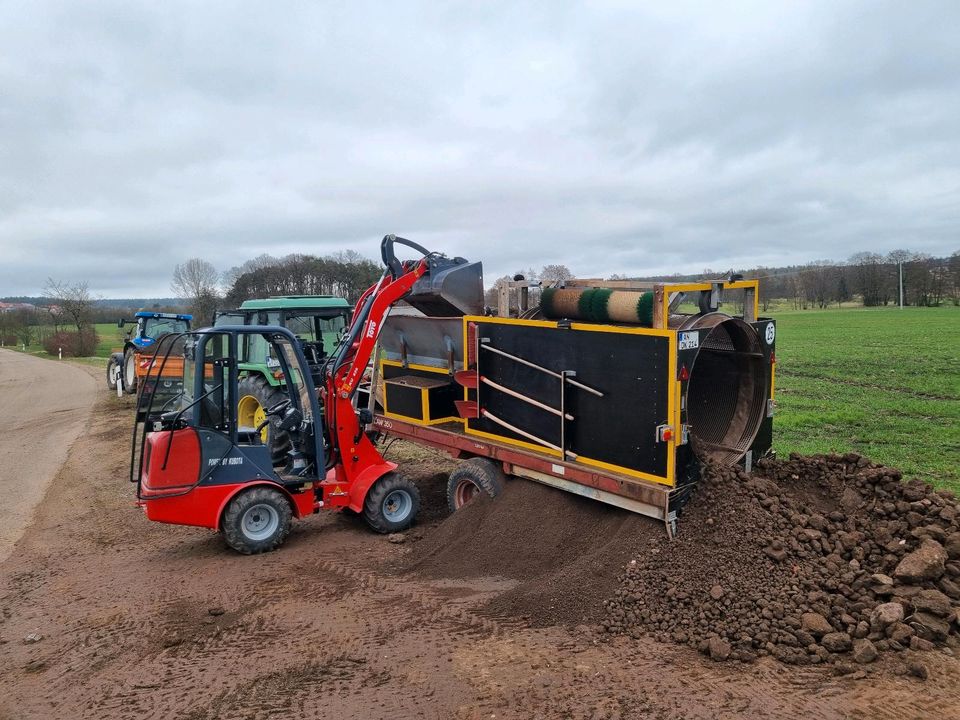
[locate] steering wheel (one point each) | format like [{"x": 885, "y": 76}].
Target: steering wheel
[{"x": 279, "y": 408}]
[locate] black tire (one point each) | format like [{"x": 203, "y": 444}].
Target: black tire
[
  {"x": 130, "y": 372},
  {"x": 391, "y": 504},
  {"x": 257, "y": 387},
  {"x": 114, "y": 365},
  {"x": 257, "y": 520},
  {"x": 471, "y": 477}
]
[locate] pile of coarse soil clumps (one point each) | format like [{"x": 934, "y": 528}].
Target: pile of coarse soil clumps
[
  {"x": 821, "y": 559},
  {"x": 563, "y": 551}
]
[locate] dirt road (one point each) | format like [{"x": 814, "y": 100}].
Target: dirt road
[
  {"x": 139, "y": 620},
  {"x": 45, "y": 407}
]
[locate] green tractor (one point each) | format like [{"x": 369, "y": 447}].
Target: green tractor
[{"x": 316, "y": 320}]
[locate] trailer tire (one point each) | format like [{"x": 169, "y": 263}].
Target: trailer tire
[
  {"x": 130, "y": 372},
  {"x": 256, "y": 520},
  {"x": 472, "y": 477},
  {"x": 114, "y": 368},
  {"x": 254, "y": 393},
  {"x": 392, "y": 504}
]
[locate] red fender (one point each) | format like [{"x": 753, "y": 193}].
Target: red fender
[
  {"x": 301, "y": 503},
  {"x": 365, "y": 480},
  {"x": 203, "y": 506},
  {"x": 338, "y": 491}
]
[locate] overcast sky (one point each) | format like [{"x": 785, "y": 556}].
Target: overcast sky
[{"x": 615, "y": 138}]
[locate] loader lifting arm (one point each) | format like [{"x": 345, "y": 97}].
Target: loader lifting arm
[
  {"x": 356, "y": 463},
  {"x": 371, "y": 310}
]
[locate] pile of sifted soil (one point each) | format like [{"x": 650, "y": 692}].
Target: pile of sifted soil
[
  {"x": 811, "y": 560},
  {"x": 564, "y": 550}
]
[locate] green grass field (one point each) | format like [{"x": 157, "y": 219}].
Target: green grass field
[{"x": 883, "y": 382}]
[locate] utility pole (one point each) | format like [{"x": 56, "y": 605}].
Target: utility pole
[{"x": 900, "y": 264}]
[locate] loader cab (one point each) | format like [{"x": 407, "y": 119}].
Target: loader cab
[{"x": 211, "y": 369}]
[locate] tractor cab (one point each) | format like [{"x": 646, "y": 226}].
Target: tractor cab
[
  {"x": 316, "y": 321},
  {"x": 152, "y": 325},
  {"x": 127, "y": 366},
  {"x": 196, "y": 459}
]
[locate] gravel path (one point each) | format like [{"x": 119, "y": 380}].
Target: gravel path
[{"x": 45, "y": 407}]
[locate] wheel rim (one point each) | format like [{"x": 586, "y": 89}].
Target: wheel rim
[
  {"x": 465, "y": 491},
  {"x": 397, "y": 505},
  {"x": 250, "y": 413},
  {"x": 260, "y": 521},
  {"x": 130, "y": 372}
]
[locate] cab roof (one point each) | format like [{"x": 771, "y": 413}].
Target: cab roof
[
  {"x": 165, "y": 316},
  {"x": 297, "y": 302}
]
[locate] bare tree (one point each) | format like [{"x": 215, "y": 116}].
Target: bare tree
[
  {"x": 24, "y": 328},
  {"x": 258, "y": 263},
  {"x": 869, "y": 278},
  {"x": 953, "y": 275},
  {"x": 6, "y": 327},
  {"x": 73, "y": 299},
  {"x": 196, "y": 282},
  {"x": 347, "y": 257},
  {"x": 552, "y": 273}
]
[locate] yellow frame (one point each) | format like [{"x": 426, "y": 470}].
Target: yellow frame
[{"x": 692, "y": 287}]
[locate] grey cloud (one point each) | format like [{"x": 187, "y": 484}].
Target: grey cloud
[{"x": 607, "y": 137}]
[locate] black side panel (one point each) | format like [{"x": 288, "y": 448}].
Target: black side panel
[
  {"x": 440, "y": 400},
  {"x": 404, "y": 400},
  {"x": 632, "y": 371},
  {"x": 222, "y": 462}
]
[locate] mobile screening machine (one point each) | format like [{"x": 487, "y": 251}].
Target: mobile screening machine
[{"x": 612, "y": 394}]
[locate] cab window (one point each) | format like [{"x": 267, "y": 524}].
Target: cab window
[
  {"x": 303, "y": 326},
  {"x": 216, "y": 405}
]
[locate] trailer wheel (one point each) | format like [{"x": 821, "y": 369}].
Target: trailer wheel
[
  {"x": 257, "y": 521},
  {"x": 470, "y": 479},
  {"x": 391, "y": 504},
  {"x": 114, "y": 368},
  {"x": 130, "y": 372},
  {"x": 256, "y": 395}
]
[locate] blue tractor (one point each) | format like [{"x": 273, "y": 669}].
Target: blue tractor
[{"x": 123, "y": 365}]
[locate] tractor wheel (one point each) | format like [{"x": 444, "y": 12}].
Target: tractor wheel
[
  {"x": 114, "y": 368},
  {"x": 391, "y": 504},
  {"x": 255, "y": 396},
  {"x": 257, "y": 521},
  {"x": 130, "y": 372},
  {"x": 470, "y": 479}
]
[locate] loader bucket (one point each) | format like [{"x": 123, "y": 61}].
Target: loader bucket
[{"x": 451, "y": 287}]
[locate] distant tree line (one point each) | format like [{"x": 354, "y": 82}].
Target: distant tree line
[
  {"x": 345, "y": 274},
  {"x": 868, "y": 278},
  {"x": 203, "y": 290}
]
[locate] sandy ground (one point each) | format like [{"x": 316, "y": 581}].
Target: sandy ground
[
  {"x": 105, "y": 615},
  {"x": 45, "y": 405}
]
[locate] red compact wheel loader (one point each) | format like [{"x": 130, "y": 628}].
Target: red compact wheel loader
[{"x": 196, "y": 465}]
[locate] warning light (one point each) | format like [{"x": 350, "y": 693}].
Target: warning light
[
  {"x": 667, "y": 434},
  {"x": 773, "y": 358},
  {"x": 684, "y": 373}
]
